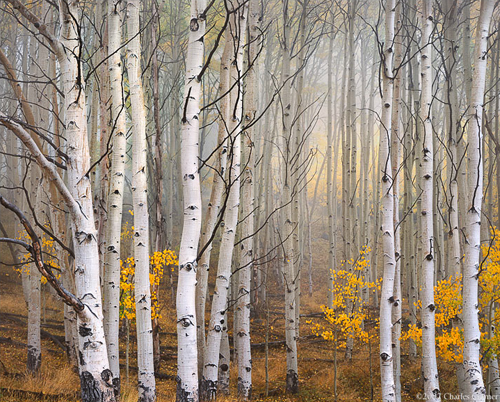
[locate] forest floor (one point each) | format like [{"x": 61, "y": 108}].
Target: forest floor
[{"x": 357, "y": 379}]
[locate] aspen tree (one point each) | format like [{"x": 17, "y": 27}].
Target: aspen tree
[
  {"x": 95, "y": 376},
  {"x": 329, "y": 180},
  {"x": 214, "y": 205},
  {"x": 289, "y": 274},
  {"x": 145, "y": 363},
  {"x": 218, "y": 317},
  {"x": 474, "y": 385},
  {"x": 116, "y": 189},
  {"x": 187, "y": 355},
  {"x": 396, "y": 139},
  {"x": 429, "y": 364},
  {"x": 31, "y": 277},
  {"x": 453, "y": 129},
  {"x": 248, "y": 201},
  {"x": 387, "y": 211}
]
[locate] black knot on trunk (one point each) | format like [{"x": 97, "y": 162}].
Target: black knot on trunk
[
  {"x": 193, "y": 25},
  {"x": 84, "y": 331}
]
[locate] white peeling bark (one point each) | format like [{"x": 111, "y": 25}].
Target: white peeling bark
[
  {"x": 145, "y": 361},
  {"x": 429, "y": 364},
  {"x": 387, "y": 212},
  {"x": 187, "y": 365},
  {"x": 474, "y": 385},
  {"x": 116, "y": 189}
]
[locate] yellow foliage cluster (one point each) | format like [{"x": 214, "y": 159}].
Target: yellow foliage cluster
[
  {"x": 158, "y": 261},
  {"x": 448, "y": 302},
  {"x": 348, "y": 312},
  {"x": 49, "y": 254},
  {"x": 127, "y": 229}
]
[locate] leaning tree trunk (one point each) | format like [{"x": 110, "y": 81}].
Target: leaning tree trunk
[
  {"x": 387, "y": 212},
  {"x": 145, "y": 361},
  {"x": 116, "y": 189},
  {"x": 187, "y": 356},
  {"x": 474, "y": 385},
  {"x": 429, "y": 364}
]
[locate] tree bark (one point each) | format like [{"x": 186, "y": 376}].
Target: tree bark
[
  {"x": 187, "y": 365},
  {"x": 116, "y": 190},
  {"x": 145, "y": 361},
  {"x": 429, "y": 364},
  {"x": 387, "y": 212},
  {"x": 474, "y": 385}
]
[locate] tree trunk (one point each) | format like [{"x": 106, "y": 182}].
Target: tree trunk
[
  {"x": 292, "y": 377},
  {"x": 474, "y": 385},
  {"x": 145, "y": 361},
  {"x": 387, "y": 212},
  {"x": 247, "y": 217},
  {"x": 429, "y": 364},
  {"x": 187, "y": 355},
  {"x": 218, "y": 317},
  {"x": 116, "y": 190}
]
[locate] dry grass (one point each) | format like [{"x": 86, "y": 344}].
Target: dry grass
[{"x": 315, "y": 359}]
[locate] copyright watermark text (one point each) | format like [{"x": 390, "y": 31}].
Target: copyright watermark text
[{"x": 447, "y": 396}]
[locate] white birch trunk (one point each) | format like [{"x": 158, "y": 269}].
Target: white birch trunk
[
  {"x": 116, "y": 190},
  {"x": 387, "y": 212},
  {"x": 292, "y": 377},
  {"x": 396, "y": 139},
  {"x": 187, "y": 355},
  {"x": 95, "y": 376},
  {"x": 474, "y": 385},
  {"x": 429, "y": 364},
  {"x": 145, "y": 361},
  {"x": 453, "y": 122},
  {"x": 212, "y": 214},
  {"x": 34, "y": 311},
  {"x": 218, "y": 317},
  {"x": 247, "y": 212},
  {"x": 330, "y": 196}
]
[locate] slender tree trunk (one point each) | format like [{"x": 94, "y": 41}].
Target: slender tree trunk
[
  {"x": 116, "y": 190},
  {"x": 145, "y": 361},
  {"x": 247, "y": 217},
  {"x": 429, "y": 364},
  {"x": 187, "y": 365},
  {"x": 218, "y": 316},
  {"x": 292, "y": 378},
  {"x": 474, "y": 386},
  {"x": 387, "y": 214},
  {"x": 329, "y": 180},
  {"x": 396, "y": 139},
  {"x": 214, "y": 205}
]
